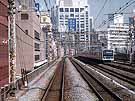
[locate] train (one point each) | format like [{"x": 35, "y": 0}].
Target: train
[{"x": 98, "y": 54}]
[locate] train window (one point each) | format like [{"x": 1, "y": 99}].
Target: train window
[{"x": 108, "y": 52}]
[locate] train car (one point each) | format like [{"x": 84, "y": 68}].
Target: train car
[
  {"x": 107, "y": 55},
  {"x": 98, "y": 54}
]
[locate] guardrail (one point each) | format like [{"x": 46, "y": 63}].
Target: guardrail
[{"x": 4, "y": 91}]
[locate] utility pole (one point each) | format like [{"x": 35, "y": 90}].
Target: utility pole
[
  {"x": 12, "y": 45},
  {"x": 131, "y": 36}
]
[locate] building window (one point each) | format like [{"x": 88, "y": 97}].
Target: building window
[
  {"x": 71, "y": 15},
  {"x": 77, "y": 25},
  {"x": 76, "y": 9},
  {"x": 82, "y": 18},
  {"x": 66, "y": 10},
  {"x": 87, "y": 37},
  {"x": 86, "y": 6},
  {"x": 24, "y": 16},
  {"x": 81, "y": 9},
  {"x": 76, "y": 15},
  {"x": 61, "y": 21},
  {"x": 82, "y": 25},
  {"x": 37, "y": 57},
  {"x": 66, "y": 21},
  {"x": 82, "y": 21},
  {"x": 87, "y": 29},
  {"x": 66, "y": 16},
  {"x": 82, "y": 30},
  {"x": 71, "y": 9},
  {"x": 44, "y": 19},
  {"x": 37, "y": 47},
  {"x": 37, "y": 35},
  {"x": 61, "y": 16},
  {"x": 82, "y": 37},
  {"x": 61, "y": 10},
  {"x": 81, "y": 15},
  {"x": 61, "y": 24}
]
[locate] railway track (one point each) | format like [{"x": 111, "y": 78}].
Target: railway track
[
  {"x": 114, "y": 71},
  {"x": 119, "y": 75},
  {"x": 124, "y": 63},
  {"x": 102, "y": 91},
  {"x": 55, "y": 89},
  {"x": 123, "y": 67}
]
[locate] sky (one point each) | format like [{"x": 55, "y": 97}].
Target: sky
[
  {"x": 110, "y": 7},
  {"x": 95, "y": 6}
]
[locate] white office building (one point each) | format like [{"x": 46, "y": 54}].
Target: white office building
[
  {"x": 118, "y": 35},
  {"x": 73, "y": 9}
]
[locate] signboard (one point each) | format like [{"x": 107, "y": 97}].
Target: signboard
[
  {"x": 37, "y": 6},
  {"x": 71, "y": 24}
]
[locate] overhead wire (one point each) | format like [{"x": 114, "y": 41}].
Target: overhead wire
[
  {"x": 18, "y": 38},
  {"x": 49, "y": 2},
  {"x": 105, "y": 2},
  {"x": 46, "y": 5},
  {"x": 122, "y": 8},
  {"x": 104, "y": 22},
  {"x": 28, "y": 34}
]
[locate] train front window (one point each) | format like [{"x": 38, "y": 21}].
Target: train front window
[{"x": 107, "y": 53}]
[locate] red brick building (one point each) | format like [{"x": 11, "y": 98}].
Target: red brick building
[{"x": 4, "y": 64}]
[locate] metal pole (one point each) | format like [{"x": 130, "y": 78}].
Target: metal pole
[
  {"x": 12, "y": 46},
  {"x": 131, "y": 45}
]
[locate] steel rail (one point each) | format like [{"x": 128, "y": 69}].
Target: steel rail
[
  {"x": 125, "y": 78},
  {"x": 61, "y": 89},
  {"x": 86, "y": 75}
]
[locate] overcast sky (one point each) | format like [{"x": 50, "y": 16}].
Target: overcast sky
[{"x": 95, "y": 6}]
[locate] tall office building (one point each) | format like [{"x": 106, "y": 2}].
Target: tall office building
[
  {"x": 76, "y": 10},
  {"x": 118, "y": 35}
]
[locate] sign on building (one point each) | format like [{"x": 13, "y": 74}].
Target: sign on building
[
  {"x": 72, "y": 25},
  {"x": 37, "y": 6}
]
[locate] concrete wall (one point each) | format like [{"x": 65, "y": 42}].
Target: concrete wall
[
  {"x": 25, "y": 43},
  {"x": 4, "y": 64}
]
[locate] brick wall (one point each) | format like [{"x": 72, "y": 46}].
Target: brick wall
[{"x": 4, "y": 67}]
